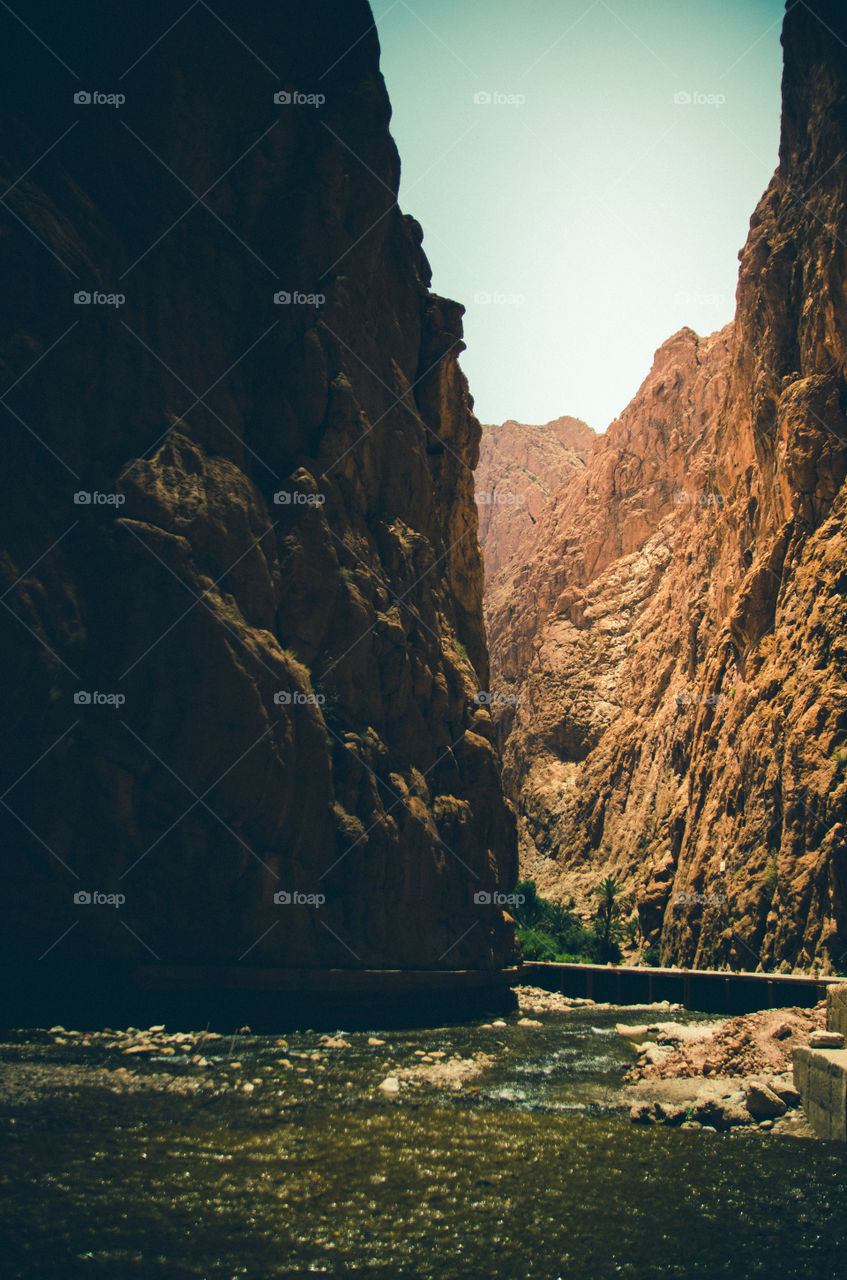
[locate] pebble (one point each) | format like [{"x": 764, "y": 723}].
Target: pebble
[{"x": 390, "y": 1085}]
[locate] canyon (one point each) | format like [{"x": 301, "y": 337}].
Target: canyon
[{"x": 668, "y": 641}]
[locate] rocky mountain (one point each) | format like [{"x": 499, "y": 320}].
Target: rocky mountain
[
  {"x": 673, "y": 637},
  {"x": 519, "y": 468},
  {"x": 241, "y": 581}
]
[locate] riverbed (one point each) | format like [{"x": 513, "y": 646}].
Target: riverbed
[{"x": 487, "y": 1149}]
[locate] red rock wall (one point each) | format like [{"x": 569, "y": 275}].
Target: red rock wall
[{"x": 676, "y": 632}]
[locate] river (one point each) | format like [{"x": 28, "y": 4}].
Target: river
[{"x": 508, "y": 1156}]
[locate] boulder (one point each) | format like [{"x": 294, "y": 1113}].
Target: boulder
[
  {"x": 762, "y": 1102},
  {"x": 720, "y": 1113},
  {"x": 826, "y": 1040},
  {"x": 785, "y": 1090}
]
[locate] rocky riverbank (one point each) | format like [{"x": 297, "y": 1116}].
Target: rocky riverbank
[
  {"x": 734, "y": 1073},
  {"x": 554, "y": 1052}
]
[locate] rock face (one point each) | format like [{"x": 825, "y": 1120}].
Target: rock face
[
  {"x": 674, "y": 635},
  {"x": 520, "y": 466},
  {"x": 276, "y": 581}
]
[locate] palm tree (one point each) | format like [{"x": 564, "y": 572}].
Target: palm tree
[{"x": 608, "y": 909}]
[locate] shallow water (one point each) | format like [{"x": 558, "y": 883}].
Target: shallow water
[{"x": 526, "y": 1171}]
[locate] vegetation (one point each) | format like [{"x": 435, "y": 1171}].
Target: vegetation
[
  {"x": 771, "y": 871},
  {"x": 551, "y": 931},
  {"x": 607, "y": 923},
  {"x": 632, "y": 929},
  {"x": 839, "y": 760},
  {"x": 652, "y": 957}
]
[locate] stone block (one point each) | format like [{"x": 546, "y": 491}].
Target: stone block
[{"x": 821, "y": 1079}]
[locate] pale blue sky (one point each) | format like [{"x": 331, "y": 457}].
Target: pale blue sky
[{"x": 600, "y": 215}]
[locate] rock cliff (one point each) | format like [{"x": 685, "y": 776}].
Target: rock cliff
[
  {"x": 520, "y": 466},
  {"x": 674, "y": 636},
  {"x": 241, "y": 580}
]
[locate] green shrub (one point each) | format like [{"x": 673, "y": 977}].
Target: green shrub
[
  {"x": 652, "y": 956},
  {"x": 839, "y": 760},
  {"x": 550, "y": 931},
  {"x": 537, "y": 945}
]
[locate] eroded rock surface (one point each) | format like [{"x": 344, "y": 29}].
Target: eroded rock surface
[
  {"x": 520, "y": 467},
  {"x": 284, "y": 584},
  {"x": 674, "y": 633}
]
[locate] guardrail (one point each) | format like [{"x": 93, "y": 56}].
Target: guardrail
[{"x": 709, "y": 990}]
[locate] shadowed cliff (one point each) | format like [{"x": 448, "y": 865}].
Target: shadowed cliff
[{"x": 242, "y": 587}]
